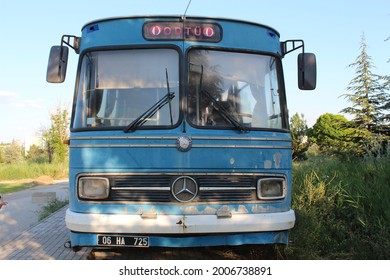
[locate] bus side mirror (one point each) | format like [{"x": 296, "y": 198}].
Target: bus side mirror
[
  {"x": 307, "y": 71},
  {"x": 58, "y": 61}
]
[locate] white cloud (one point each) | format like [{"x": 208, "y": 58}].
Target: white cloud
[
  {"x": 7, "y": 97},
  {"x": 28, "y": 103},
  {"x": 13, "y": 100}
]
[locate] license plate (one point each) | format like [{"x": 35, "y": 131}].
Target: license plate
[{"x": 123, "y": 241}]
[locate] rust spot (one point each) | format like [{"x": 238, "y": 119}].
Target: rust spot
[{"x": 181, "y": 222}]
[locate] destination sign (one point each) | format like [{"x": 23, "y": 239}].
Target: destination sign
[{"x": 191, "y": 31}]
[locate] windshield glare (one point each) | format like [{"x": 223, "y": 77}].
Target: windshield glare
[
  {"x": 116, "y": 87},
  {"x": 246, "y": 85}
]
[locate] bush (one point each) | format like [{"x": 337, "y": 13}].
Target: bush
[
  {"x": 50, "y": 208},
  {"x": 37, "y": 154},
  {"x": 13, "y": 153}
]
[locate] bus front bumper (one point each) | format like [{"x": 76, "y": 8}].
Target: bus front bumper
[{"x": 178, "y": 224}]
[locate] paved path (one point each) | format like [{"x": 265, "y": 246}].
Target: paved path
[
  {"x": 23, "y": 237},
  {"x": 43, "y": 241},
  {"x": 24, "y": 208}
]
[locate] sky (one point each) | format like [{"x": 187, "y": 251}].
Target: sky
[{"x": 331, "y": 29}]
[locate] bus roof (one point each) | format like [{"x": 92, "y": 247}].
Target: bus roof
[{"x": 179, "y": 17}]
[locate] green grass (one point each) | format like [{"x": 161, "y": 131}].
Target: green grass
[
  {"x": 14, "y": 187},
  {"x": 342, "y": 209},
  {"x": 32, "y": 170},
  {"x": 51, "y": 207}
]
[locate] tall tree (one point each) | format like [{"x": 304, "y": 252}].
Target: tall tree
[{"x": 365, "y": 92}]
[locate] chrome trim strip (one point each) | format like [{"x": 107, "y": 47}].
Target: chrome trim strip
[
  {"x": 174, "y": 146},
  {"x": 179, "y": 174},
  {"x": 241, "y": 147},
  {"x": 241, "y": 138},
  {"x": 175, "y": 137},
  {"x": 142, "y": 188},
  {"x": 123, "y": 137},
  {"x": 122, "y": 146},
  {"x": 225, "y": 188}
]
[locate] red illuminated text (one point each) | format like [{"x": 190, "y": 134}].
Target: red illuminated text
[{"x": 177, "y": 31}]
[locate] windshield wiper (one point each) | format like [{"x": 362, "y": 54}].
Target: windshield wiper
[
  {"x": 222, "y": 111},
  {"x": 153, "y": 110}
]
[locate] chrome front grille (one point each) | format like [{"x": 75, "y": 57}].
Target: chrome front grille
[{"x": 157, "y": 188}]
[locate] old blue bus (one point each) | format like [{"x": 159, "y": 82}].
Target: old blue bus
[{"x": 179, "y": 132}]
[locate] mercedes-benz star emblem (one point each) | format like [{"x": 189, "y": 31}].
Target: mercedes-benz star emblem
[
  {"x": 184, "y": 143},
  {"x": 184, "y": 189}
]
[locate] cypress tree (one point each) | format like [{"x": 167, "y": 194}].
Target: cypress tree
[
  {"x": 365, "y": 92},
  {"x": 369, "y": 95}
]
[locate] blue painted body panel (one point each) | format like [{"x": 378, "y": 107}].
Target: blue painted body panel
[
  {"x": 226, "y": 152},
  {"x": 126, "y": 32},
  {"x": 212, "y": 152}
]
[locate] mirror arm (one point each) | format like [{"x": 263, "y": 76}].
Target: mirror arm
[
  {"x": 75, "y": 44},
  {"x": 292, "y": 45}
]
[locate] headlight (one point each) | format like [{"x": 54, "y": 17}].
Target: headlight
[
  {"x": 271, "y": 188},
  {"x": 93, "y": 188}
]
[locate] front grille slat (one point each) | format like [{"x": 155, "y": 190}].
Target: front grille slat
[{"x": 157, "y": 188}]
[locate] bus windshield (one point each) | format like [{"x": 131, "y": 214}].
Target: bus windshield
[
  {"x": 116, "y": 87},
  {"x": 229, "y": 88}
]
